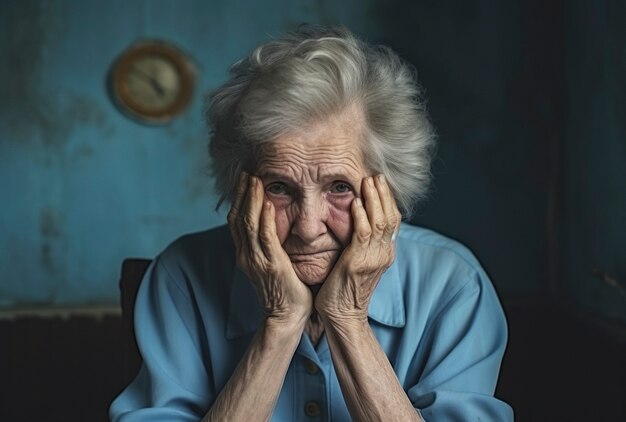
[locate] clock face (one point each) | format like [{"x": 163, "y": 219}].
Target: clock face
[{"x": 152, "y": 81}]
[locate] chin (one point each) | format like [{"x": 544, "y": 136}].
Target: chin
[{"x": 311, "y": 275}]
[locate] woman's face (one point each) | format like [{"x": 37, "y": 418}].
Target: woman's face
[{"x": 312, "y": 177}]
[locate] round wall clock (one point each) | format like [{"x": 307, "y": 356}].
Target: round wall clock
[{"x": 152, "y": 81}]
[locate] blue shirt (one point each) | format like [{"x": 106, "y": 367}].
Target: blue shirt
[{"x": 434, "y": 313}]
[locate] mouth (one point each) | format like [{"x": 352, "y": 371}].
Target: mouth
[{"x": 307, "y": 256}]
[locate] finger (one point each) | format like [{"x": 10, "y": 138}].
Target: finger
[
  {"x": 233, "y": 214},
  {"x": 269, "y": 239},
  {"x": 373, "y": 207},
  {"x": 251, "y": 215},
  {"x": 240, "y": 193},
  {"x": 390, "y": 209},
  {"x": 362, "y": 230}
]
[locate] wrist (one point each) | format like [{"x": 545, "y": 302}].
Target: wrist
[
  {"x": 284, "y": 327},
  {"x": 349, "y": 329},
  {"x": 353, "y": 319},
  {"x": 341, "y": 312}
]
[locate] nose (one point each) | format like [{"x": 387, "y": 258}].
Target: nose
[{"x": 310, "y": 219}]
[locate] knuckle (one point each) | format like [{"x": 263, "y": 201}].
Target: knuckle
[
  {"x": 391, "y": 227},
  {"x": 364, "y": 234},
  {"x": 249, "y": 224},
  {"x": 265, "y": 237},
  {"x": 380, "y": 225},
  {"x": 393, "y": 221}
]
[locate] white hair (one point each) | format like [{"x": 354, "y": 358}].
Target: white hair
[{"x": 310, "y": 75}]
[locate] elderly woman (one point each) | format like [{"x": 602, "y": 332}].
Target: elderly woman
[{"x": 316, "y": 302}]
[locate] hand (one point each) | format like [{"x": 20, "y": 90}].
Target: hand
[
  {"x": 283, "y": 297},
  {"x": 346, "y": 293}
]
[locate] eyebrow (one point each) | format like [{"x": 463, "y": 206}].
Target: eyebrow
[{"x": 271, "y": 174}]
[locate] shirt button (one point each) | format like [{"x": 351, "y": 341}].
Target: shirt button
[
  {"x": 311, "y": 367},
  {"x": 311, "y": 408}
]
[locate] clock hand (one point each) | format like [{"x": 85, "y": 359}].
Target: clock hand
[{"x": 151, "y": 80}]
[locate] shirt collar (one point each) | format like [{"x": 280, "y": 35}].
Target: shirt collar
[{"x": 244, "y": 313}]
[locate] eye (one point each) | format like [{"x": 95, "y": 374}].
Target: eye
[
  {"x": 277, "y": 188},
  {"x": 341, "y": 187}
]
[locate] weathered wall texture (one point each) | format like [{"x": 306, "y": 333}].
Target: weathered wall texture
[
  {"x": 528, "y": 98},
  {"x": 83, "y": 186}
]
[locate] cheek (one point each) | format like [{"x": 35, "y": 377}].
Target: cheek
[
  {"x": 282, "y": 220},
  {"x": 340, "y": 221}
]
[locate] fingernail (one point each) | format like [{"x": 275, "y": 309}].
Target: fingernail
[
  {"x": 358, "y": 202},
  {"x": 381, "y": 178},
  {"x": 370, "y": 181}
]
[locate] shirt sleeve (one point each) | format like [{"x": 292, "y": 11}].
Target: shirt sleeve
[
  {"x": 172, "y": 384},
  {"x": 462, "y": 350}
]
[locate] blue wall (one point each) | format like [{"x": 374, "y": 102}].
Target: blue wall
[
  {"x": 83, "y": 186},
  {"x": 528, "y": 99}
]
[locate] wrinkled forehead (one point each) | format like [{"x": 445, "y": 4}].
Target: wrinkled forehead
[
  {"x": 326, "y": 148},
  {"x": 336, "y": 135}
]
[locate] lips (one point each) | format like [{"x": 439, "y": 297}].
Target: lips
[{"x": 306, "y": 256}]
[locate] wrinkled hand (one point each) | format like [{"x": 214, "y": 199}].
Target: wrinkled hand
[
  {"x": 283, "y": 297},
  {"x": 346, "y": 293}
]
